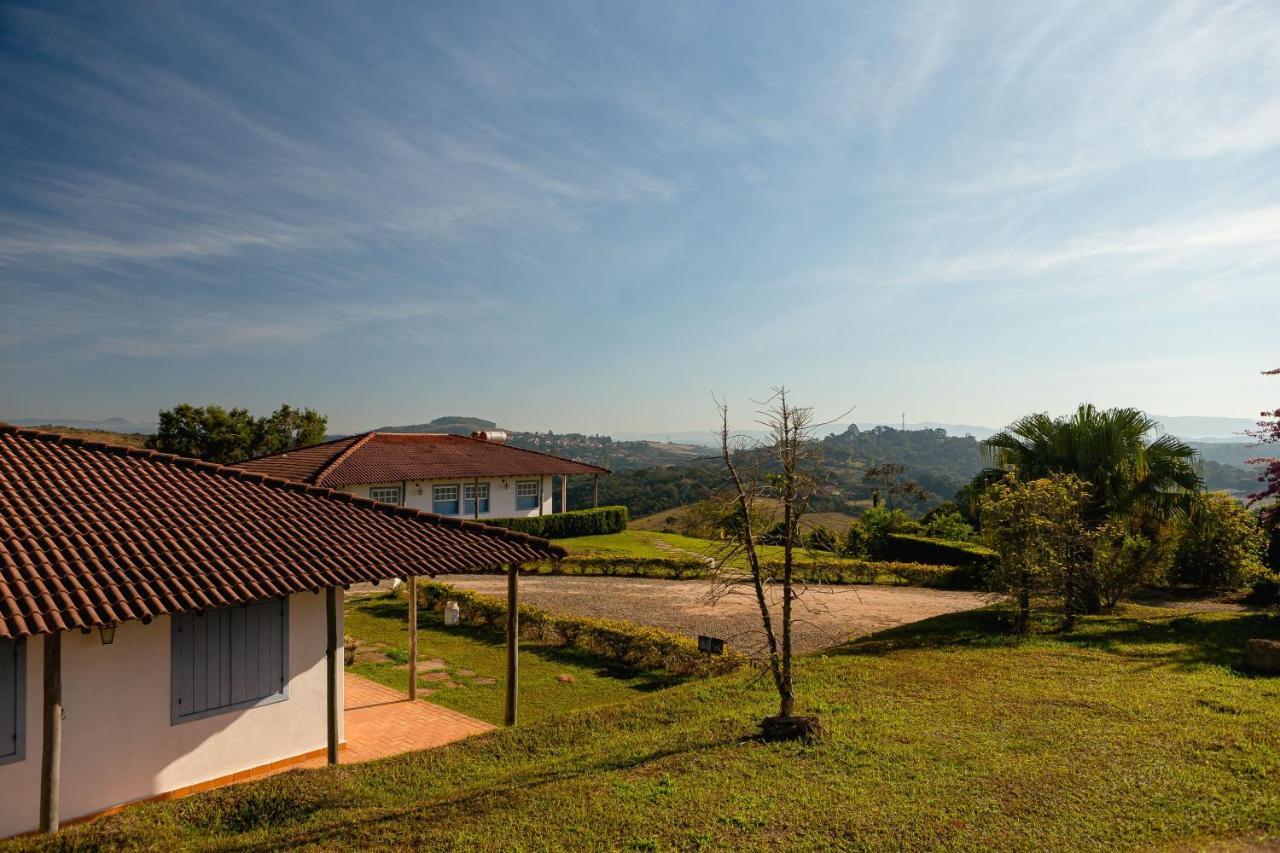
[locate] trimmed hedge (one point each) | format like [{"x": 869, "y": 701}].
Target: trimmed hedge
[
  {"x": 841, "y": 572},
  {"x": 872, "y": 571},
  {"x": 669, "y": 568},
  {"x": 566, "y": 525},
  {"x": 634, "y": 646},
  {"x": 908, "y": 548}
]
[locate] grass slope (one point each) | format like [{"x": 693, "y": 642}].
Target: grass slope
[
  {"x": 1130, "y": 732},
  {"x": 475, "y": 666}
]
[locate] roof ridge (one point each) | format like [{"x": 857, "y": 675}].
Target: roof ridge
[
  {"x": 318, "y": 476},
  {"x": 303, "y": 447},
  {"x": 235, "y": 473}
]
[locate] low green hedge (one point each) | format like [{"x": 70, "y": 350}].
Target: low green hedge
[
  {"x": 909, "y": 548},
  {"x": 872, "y": 571},
  {"x": 634, "y": 646},
  {"x": 669, "y": 568},
  {"x": 565, "y": 525},
  {"x": 690, "y": 568}
]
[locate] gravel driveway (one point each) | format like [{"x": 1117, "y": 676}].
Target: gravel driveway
[{"x": 825, "y": 616}]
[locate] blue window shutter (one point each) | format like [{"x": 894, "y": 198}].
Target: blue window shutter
[
  {"x": 11, "y": 698},
  {"x": 229, "y": 658}
]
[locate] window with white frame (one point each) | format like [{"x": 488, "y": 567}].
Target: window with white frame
[
  {"x": 13, "y": 701},
  {"x": 472, "y": 492},
  {"x": 527, "y": 494},
  {"x": 444, "y": 500},
  {"x": 386, "y": 494},
  {"x": 230, "y": 658}
]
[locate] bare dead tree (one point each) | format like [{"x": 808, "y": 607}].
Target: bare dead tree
[{"x": 793, "y": 455}]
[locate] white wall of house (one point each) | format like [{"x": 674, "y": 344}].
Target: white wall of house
[
  {"x": 119, "y": 742},
  {"x": 502, "y": 494}
]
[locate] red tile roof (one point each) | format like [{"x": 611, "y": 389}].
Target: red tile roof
[
  {"x": 94, "y": 534},
  {"x": 389, "y": 457}
]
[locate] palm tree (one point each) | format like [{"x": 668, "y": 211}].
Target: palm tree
[
  {"x": 1107, "y": 449},
  {"x": 1128, "y": 471}
]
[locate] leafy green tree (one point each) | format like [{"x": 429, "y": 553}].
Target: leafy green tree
[
  {"x": 287, "y": 428},
  {"x": 1126, "y": 556},
  {"x": 1036, "y": 527},
  {"x": 1220, "y": 544},
  {"x": 227, "y": 436}
]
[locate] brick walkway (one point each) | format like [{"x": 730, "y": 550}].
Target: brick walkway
[{"x": 380, "y": 721}]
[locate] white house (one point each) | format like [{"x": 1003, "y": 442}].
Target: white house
[
  {"x": 473, "y": 477},
  {"x": 161, "y": 623}
]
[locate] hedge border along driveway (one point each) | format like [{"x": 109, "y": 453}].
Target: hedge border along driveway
[{"x": 825, "y": 616}]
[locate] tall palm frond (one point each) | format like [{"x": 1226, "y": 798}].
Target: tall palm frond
[{"x": 1110, "y": 449}]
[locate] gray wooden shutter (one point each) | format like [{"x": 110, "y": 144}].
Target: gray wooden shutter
[
  {"x": 229, "y": 658},
  {"x": 11, "y": 698}
]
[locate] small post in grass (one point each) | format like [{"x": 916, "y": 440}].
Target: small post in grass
[
  {"x": 513, "y": 640},
  {"x": 413, "y": 637}
]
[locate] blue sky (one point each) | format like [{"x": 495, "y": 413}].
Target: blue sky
[{"x": 589, "y": 217}]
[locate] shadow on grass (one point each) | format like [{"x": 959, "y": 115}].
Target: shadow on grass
[
  {"x": 1175, "y": 639},
  {"x": 641, "y": 680}
]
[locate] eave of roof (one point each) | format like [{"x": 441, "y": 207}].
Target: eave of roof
[{"x": 39, "y": 559}]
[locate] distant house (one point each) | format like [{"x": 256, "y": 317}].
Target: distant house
[
  {"x": 161, "y": 623},
  {"x": 477, "y": 476}
]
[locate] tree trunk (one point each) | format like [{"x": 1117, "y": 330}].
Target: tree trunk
[{"x": 1024, "y": 605}]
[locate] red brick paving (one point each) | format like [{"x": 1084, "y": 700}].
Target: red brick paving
[{"x": 381, "y": 722}]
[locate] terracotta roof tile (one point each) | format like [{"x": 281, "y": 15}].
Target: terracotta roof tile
[
  {"x": 92, "y": 534},
  {"x": 388, "y": 457}
]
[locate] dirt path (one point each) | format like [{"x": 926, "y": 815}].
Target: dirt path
[{"x": 825, "y": 617}]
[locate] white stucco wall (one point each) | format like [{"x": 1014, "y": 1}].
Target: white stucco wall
[
  {"x": 502, "y": 495},
  {"x": 119, "y": 744}
]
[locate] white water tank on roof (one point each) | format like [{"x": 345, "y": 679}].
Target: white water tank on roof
[{"x": 496, "y": 436}]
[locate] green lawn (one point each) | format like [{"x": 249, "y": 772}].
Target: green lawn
[
  {"x": 1131, "y": 732},
  {"x": 475, "y": 666}
]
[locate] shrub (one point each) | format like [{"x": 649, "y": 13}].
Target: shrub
[
  {"x": 634, "y": 646},
  {"x": 1125, "y": 559},
  {"x": 566, "y": 525},
  {"x": 1220, "y": 545},
  {"x": 854, "y": 544},
  {"x": 906, "y": 548},
  {"x": 672, "y": 568},
  {"x": 879, "y": 523},
  {"x": 870, "y": 571},
  {"x": 948, "y": 525},
  {"x": 821, "y": 539}
]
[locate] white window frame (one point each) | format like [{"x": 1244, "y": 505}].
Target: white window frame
[
  {"x": 19, "y": 650},
  {"x": 469, "y": 492},
  {"x": 386, "y": 494},
  {"x": 445, "y": 488},
  {"x": 536, "y": 493}
]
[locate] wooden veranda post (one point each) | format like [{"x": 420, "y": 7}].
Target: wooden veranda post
[
  {"x": 513, "y": 640},
  {"x": 51, "y": 760},
  {"x": 331, "y": 659},
  {"x": 564, "y": 492},
  {"x": 413, "y": 637}
]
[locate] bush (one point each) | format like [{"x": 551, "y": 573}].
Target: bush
[
  {"x": 565, "y": 525},
  {"x": 855, "y": 542},
  {"x": 870, "y": 571},
  {"x": 633, "y": 646},
  {"x": 821, "y": 539},
  {"x": 948, "y": 525},
  {"x": 1220, "y": 545},
  {"x": 906, "y": 548},
  {"x": 878, "y": 524},
  {"x": 1125, "y": 559}
]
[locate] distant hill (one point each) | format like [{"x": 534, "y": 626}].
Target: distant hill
[
  {"x": 130, "y": 439},
  {"x": 108, "y": 425},
  {"x": 594, "y": 449}
]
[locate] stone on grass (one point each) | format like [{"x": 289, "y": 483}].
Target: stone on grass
[
  {"x": 484, "y": 680},
  {"x": 1261, "y": 657},
  {"x": 565, "y": 679}
]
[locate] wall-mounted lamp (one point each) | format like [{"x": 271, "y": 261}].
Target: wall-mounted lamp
[{"x": 107, "y": 633}]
